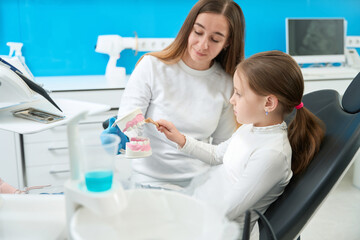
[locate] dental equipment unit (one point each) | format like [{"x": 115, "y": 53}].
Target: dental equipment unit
[{"x": 16, "y": 80}]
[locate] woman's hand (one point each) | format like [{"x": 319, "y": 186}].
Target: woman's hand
[{"x": 171, "y": 132}]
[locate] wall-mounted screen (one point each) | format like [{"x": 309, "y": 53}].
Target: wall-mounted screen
[{"x": 316, "y": 40}]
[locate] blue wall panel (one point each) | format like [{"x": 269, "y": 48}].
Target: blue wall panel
[{"x": 59, "y": 36}]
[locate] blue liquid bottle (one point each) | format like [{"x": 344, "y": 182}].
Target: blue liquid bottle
[{"x": 98, "y": 181}]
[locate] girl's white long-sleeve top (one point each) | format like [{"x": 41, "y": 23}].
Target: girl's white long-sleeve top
[
  {"x": 254, "y": 166},
  {"x": 197, "y": 102}
]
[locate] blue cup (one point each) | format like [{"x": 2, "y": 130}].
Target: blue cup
[{"x": 99, "y": 159}]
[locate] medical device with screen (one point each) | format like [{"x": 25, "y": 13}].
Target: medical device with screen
[{"x": 316, "y": 40}]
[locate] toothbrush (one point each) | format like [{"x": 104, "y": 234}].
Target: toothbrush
[{"x": 149, "y": 120}]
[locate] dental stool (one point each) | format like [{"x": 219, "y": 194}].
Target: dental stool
[{"x": 305, "y": 193}]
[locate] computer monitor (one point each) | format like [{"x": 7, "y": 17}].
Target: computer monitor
[{"x": 316, "y": 40}]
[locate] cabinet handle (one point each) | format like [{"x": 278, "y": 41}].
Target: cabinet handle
[
  {"x": 57, "y": 148},
  {"x": 91, "y": 122},
  {"x": 59, "y": 171}
]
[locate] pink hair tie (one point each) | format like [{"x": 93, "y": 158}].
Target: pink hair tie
[{"x": 299, "y": 106}]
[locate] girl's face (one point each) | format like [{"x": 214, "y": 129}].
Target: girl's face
[
  {"x": 248, "y": 106},
  {"x": 207, "y": 38}
]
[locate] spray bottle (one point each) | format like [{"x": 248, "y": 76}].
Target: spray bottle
[{"x": 17, "y": 59}]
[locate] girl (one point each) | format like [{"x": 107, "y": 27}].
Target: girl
[
  {"x": 173, "y": 83},
  {"x": 258, "y": 161}
]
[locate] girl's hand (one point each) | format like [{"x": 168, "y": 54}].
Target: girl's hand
[{"x": 171, "y": 132}]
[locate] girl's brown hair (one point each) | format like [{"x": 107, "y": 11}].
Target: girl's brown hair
[
  {"x": 228, "y": 57},
  {"x": 277, "y": 73}
]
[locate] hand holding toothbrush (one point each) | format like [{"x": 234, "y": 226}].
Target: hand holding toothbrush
[{"x": 171, "y": 132}]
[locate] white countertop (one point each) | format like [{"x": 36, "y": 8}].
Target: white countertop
[
  {"x": 99, "y": 82},
  {"x": 81, "y": 83}
]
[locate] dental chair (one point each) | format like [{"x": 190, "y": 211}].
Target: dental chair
[{"x": 306, "y": 192}]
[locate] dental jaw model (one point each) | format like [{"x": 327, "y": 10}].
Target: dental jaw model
[{"x": 131, "y": 124}]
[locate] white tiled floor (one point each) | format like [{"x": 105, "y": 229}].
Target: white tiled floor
[{"x": 339, "y": 216}]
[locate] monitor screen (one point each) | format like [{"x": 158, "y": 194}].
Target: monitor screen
[{"x": 320, "y": 40}]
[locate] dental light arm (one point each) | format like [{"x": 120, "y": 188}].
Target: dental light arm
[{"x": 114, "y": 44}]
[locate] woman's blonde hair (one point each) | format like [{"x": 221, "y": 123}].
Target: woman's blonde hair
[
  {"x": 277, "y": 73},
  {"x": 228, "y": 57}
]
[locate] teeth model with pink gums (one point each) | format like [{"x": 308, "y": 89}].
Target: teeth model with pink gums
[{"x": 138, "y": 147}]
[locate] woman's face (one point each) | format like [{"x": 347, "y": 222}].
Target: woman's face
[
  {"x": 207, "y": 38},
  {"x": 248, "y": 106}
]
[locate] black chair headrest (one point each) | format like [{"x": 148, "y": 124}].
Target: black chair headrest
[{"x": 351, "y": 98}]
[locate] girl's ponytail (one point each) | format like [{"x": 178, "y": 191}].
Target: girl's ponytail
[{"x": 305, "y": 133}]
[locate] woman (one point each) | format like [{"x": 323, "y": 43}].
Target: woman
[{"x": 174, "y": 83}]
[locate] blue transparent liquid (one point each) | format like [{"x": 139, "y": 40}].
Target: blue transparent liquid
[{"x": 98, "y": 181}]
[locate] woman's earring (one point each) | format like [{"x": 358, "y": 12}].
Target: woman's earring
[{"x": 266, "y": 112}]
